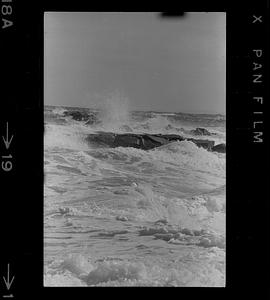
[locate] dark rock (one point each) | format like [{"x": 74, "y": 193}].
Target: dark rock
[
  {"x": 173, "y": 137},
  {"x": 128, "y": 140},
  {"x": 141, "y": 141},
  {"x": 153, "y": 141},
  {"x": 92, "y": 120},
  {"x": 200, "y": 131},
  {"x": 219, "y": 148},
  {"x": 102, "y": 138},
  {"x": 77, "y": 115}
]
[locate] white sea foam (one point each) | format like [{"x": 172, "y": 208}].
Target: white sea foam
[
  {"x": 77, "y": 271},
  {"x": 67, "y": 137},
  {"x": 184, "y": 153},
  {"x": 59, "y": 111},
  {"x": 86, "y": 188}
]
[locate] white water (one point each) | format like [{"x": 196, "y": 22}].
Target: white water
[{"x": 99, "y": 200}]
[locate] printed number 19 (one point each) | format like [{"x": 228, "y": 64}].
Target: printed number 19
[{"x": 7, "y": 165}]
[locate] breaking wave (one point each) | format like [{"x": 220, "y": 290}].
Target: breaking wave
[
  {"x": 183, "y": 154},
  {"x": 113, "y": 114}
]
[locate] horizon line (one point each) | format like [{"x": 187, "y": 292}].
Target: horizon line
[{"x": 154, "y": 111}]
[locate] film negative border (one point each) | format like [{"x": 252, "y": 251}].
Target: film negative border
[{"x": 21, "y": 127}]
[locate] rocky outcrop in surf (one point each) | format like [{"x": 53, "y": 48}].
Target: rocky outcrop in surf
[
  {"x": 221, "y": 148},
  {"x": 77, "y": 115},
  {"x": 90, "y": 118},
  {"x": 142, "y": 141},
  {"x": 201, "y": 131}
]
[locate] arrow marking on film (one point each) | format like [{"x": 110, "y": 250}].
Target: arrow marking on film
[
  {"x": 7, "y": 282},
  {"x": 6, "y": 140}
]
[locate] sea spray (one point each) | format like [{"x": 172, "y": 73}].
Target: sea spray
[{"x": 114, "y": 111}]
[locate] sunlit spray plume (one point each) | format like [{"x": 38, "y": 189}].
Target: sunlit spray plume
[{"x": 114, "y": 111}]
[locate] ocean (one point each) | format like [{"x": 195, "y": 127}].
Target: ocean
[{"x": 124, "y": 216}]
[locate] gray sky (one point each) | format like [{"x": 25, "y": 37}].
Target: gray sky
[{"x": 172, "y": 66}]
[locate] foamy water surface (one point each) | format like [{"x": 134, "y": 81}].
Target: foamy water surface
[{"x": 130, "y": 217}]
